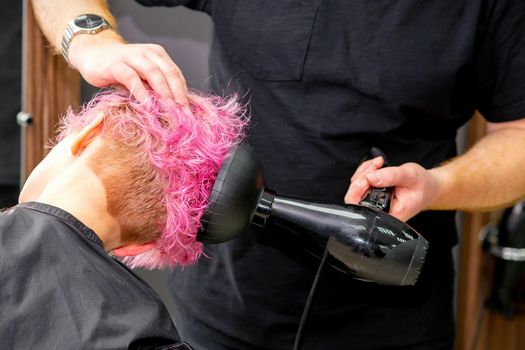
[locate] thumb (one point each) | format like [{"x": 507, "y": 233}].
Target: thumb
[
  {"x": 391, "y": 177},
  {"x": 382, "y": 177}
]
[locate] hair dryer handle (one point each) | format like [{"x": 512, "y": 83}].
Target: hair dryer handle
[{"x": 378, "y": 198}]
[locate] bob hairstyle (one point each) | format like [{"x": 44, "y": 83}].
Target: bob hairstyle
[{"x": 158, "y": 162}]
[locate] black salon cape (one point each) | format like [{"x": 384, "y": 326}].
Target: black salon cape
[{"x": 60, "y": 290}]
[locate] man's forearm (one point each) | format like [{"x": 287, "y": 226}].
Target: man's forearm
[
  {"x": 490, "y": 175},
  {"x": 53, "y": 16}
]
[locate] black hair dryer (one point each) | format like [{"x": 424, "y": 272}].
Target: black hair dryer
[{"x": 372, "y": 244}]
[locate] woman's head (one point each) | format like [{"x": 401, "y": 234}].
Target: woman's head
[{"x": 158, "y": 162}]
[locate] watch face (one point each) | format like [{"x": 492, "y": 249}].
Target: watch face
[{"x": 89, "y": 21}]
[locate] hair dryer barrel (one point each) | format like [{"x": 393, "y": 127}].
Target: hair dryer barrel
[{"x": 372, "y": 244}]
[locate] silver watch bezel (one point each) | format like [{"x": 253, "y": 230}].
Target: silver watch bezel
[{"x": 73, "y": 30}]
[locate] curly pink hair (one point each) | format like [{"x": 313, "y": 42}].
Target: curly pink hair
[{"x": 183, "y": 148}]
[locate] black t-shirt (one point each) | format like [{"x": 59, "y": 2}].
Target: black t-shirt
[
  {"x": 60, "y": 290},
  {"x": 327, "y": 80}
]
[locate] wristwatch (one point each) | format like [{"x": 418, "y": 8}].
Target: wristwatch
[{"x": 83, "y": 24}]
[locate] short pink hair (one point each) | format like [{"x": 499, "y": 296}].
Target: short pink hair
[{"x": 184, "y": 147}]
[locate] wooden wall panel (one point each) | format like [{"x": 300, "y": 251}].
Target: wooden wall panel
[{"x": 48, "y": 87}]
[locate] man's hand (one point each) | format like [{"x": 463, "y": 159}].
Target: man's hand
[
  {"x": 488, "y": 176},
  {"x": 105, "y": 60},
  {"x": 415, "y": 187}
]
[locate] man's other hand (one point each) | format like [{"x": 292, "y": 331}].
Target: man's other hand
[{"x": 414, "y": 187}]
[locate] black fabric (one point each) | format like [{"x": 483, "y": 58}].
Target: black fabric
[
  {"x": 10, "y": 96},
  {"x": 8, "y": 195},
  {"x": 60, "y": 290},
  {"x": 325, "y": 81},
  {"x": 194, "y": 4}
]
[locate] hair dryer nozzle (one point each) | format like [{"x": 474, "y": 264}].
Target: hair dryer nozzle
[{"x": 237, "y": 188}]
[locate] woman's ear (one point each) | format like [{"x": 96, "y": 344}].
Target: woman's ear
[
  {"x": 86, "y": 135},
  {"x": 132, "y": 249}
]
